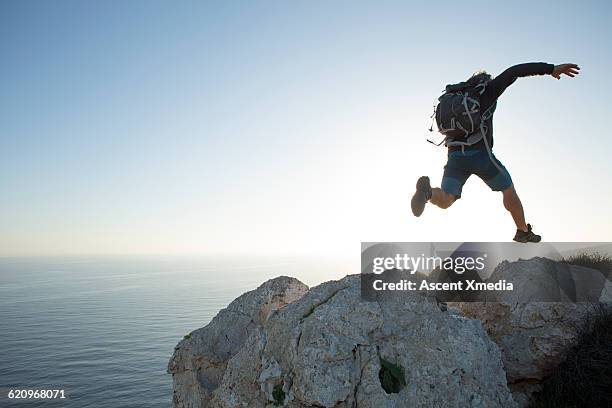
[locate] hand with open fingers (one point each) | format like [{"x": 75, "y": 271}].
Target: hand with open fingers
[{"x": 571, "y": 70}]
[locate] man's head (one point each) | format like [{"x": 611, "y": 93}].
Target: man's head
[
  {"x": 475, "y": 79},
  {"x": 479, "y": 76}
]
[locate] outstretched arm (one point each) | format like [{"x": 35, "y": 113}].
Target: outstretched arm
[{"x": 499, "y": 84}]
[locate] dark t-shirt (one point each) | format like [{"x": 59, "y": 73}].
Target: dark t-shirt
[{"x": 497, "y": 86}]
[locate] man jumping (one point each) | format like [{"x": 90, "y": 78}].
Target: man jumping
[{"x": 470, "y": 153}]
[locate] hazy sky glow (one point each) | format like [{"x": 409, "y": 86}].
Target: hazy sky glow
[{"x": 287, "y": 126}]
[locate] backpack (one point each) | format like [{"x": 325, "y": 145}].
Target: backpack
[
  {"x": 458, "y": 114},
  {"x": 459, "y": 117}
]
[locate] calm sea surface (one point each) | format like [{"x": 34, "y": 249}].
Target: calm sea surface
[{"x": 104, "y": 328}]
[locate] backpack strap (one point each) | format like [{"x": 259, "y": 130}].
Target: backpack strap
[
  {"x": 478, "y": 136},
  {"x": 483, "y": 129},
  {"x": 469, "y": 141},
  {"x": 482, "y": 86},
  {"x": 468, "y": 111}
]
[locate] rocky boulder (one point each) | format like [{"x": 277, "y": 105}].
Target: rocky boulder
[
  {"x": 200, "y": 359},
  {"x": 541, "y": 319},
  {"x": 329, "y": 348}
]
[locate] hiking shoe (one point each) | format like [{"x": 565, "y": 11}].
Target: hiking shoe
[
  {"x": 422, "y": 195},
  {"x": 529, "y": 236}
]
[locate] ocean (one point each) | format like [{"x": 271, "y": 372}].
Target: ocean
[{"x": 104, "y": 328}]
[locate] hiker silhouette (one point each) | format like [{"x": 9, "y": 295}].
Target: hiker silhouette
[{"x": 464, "y": 116}]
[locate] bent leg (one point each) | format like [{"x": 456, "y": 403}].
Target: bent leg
[
  {"x": 513, "y": 204},
  {"x": 456, "y": 173},
  {"x": 455, "y": 176},
  {"x": 441, "y": 198}
]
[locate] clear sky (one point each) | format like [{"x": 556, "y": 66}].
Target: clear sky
[{"x": 287, "y": 126}]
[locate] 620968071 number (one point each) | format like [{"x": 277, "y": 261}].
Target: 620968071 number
[{"x": 36, "y": 394}]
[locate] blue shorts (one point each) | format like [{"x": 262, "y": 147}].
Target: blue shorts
[{"x": 461, "y": 165}]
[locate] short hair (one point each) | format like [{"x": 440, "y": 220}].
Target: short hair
[{"x": 479, "y": 76}]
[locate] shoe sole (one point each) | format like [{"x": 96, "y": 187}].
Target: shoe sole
[
  {"x": 423, "y": 183},
  {"x": 418, "y": 203},
  {"x": 528, "y": 242},
  {"x": 419, "y": 199}
]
